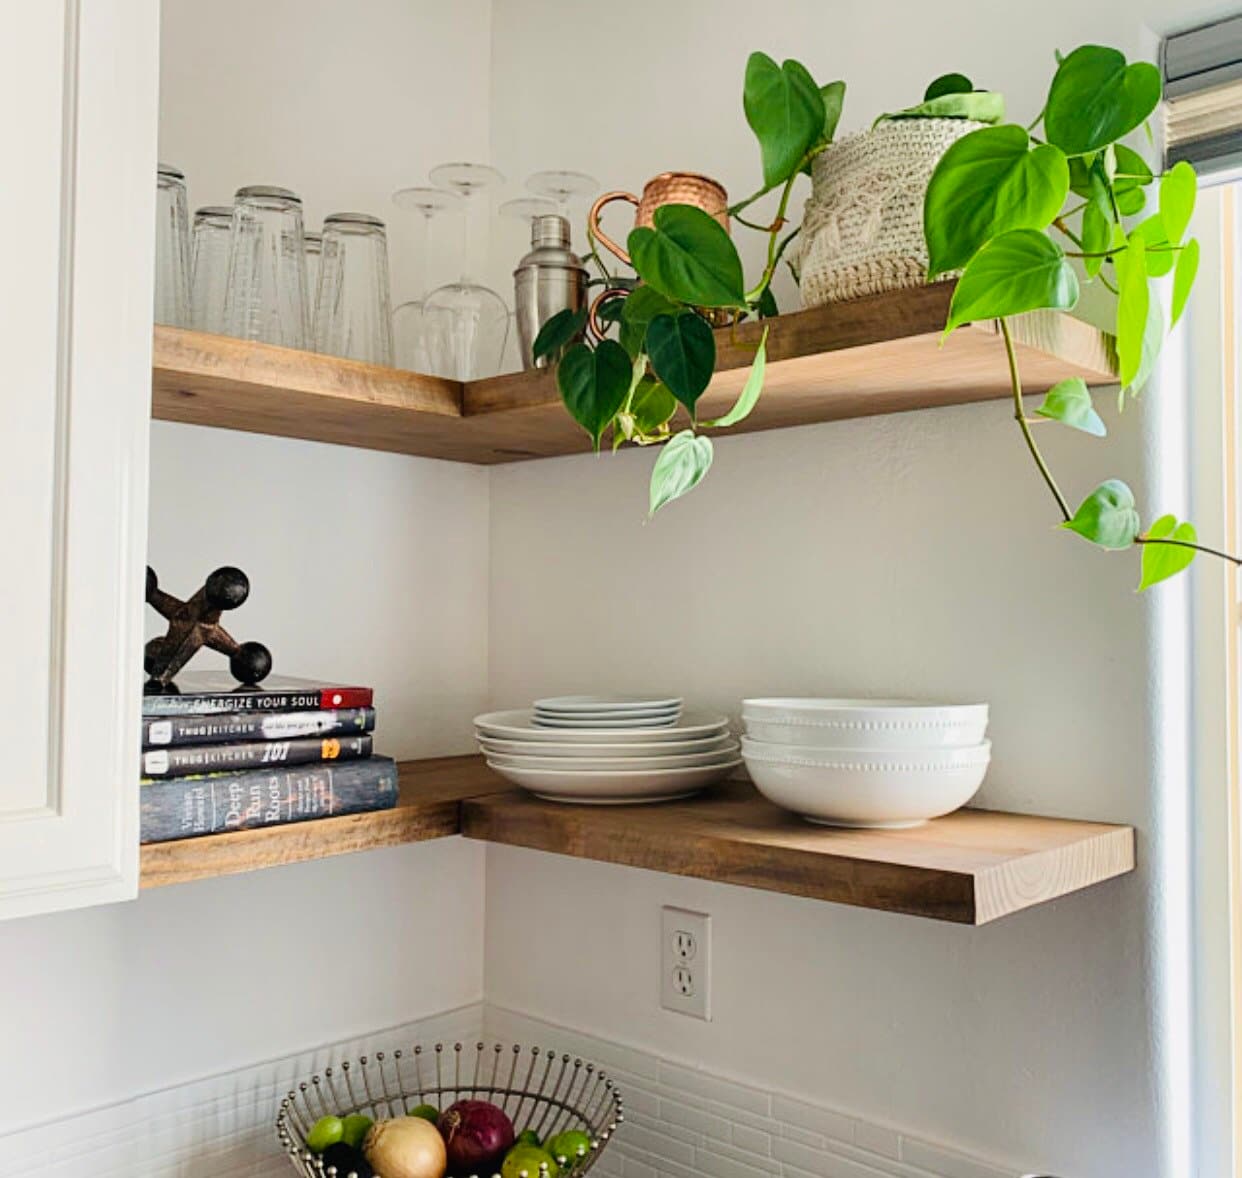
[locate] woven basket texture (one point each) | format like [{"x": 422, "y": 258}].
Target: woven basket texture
[{"x": 862, "y": 227}]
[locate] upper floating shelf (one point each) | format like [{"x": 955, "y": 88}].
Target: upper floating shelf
[{"x": 879, "y": 354}]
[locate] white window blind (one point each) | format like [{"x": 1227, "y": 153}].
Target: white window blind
[{"x": 1203, "y": 87}]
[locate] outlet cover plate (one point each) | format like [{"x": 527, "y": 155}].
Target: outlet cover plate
[{"x": 686, "y": 962}]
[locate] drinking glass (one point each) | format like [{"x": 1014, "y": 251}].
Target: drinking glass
[
  {"x": 266, "y": 298},
  {"x": 172, "y": 248},
  {"x": 410, "y": 336},
  {"x": 468, "y": 323},
  {"x": 353, "y": 314},
  {"x": 314, "y": 255},
  {"x": 209, "y": 267}
]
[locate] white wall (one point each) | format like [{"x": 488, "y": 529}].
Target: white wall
[
  {"x": 910, "y": 554},
  {"x": 363, "y": 566}
]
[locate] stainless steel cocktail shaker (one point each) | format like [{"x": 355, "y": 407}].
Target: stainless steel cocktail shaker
[{"x": 550, "y": 278}]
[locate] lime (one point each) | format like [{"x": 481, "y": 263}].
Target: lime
[
  {"x": 523, "y": 1161},
  {"x": 354, "y": 1128},
  {"x": 324, "y": 1132},
  {"x": 571, "y": 1145},
  {"x": 428, "y": 1112},
  {"x": 528, "y": 1137}
]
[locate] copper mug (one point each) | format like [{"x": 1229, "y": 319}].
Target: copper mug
[{"x": 668, "y": 188}]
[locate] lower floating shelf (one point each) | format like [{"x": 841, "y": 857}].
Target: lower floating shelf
[
  {"x": 429, "y": 807},
  {"x": 971, "y": 867}
]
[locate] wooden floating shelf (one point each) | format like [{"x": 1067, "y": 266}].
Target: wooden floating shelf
[
  {"x": 971, "y": 867},
  {"x": 879, "y": 354},
  {"x": 429, "y": 807}
]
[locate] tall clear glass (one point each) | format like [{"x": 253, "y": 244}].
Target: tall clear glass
[
  {"x": 353, "y": 312},
  {"x": 314, "y": 256},
  {"x": 468, "y": 322},
  {"x": 210, "y": 243},
  {"x": 266, "y": 298},
  {"x": 410, "y": 323},
  {"x": 172, "y": 248}
]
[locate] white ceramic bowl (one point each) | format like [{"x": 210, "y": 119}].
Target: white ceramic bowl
[
  {"x": 866, "y": 787},
  {"x": 864, "y": 723}
]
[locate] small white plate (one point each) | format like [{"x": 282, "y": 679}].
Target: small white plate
[
  {"x": 583, "y": 717},
  {"x": 665, "y": 721},
  {"x": 518, "y": 724},
  {"x": 654, "y": 748},
  {"x": 615, "y": 787},
  {"x": 605, "y": 703},
  {"x": 726, "y": 755}
]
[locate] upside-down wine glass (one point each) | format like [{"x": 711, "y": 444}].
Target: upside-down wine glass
[
  {"x": 411, "y": 336},
  {"x": 467, "y": 322},
  {"x": 562, "y": 187}
]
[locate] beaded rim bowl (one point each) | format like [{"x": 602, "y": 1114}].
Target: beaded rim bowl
[{"x": 538, "y": 1089}]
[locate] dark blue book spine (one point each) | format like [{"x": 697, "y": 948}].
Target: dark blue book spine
[{"x": 186, "y": 807}]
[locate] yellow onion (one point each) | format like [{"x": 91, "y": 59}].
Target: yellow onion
[{"x": 406, "y": 1147}]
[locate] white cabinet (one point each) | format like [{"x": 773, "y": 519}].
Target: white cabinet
[{"x": 78, "y": 108}]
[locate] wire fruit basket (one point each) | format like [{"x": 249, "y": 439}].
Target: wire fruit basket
[{"x": 537, "y": 1089}]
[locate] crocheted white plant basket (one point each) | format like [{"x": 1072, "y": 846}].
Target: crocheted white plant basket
[{"x": 862, "y": 228}]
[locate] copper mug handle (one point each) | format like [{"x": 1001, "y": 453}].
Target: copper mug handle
[
  {"x": 594, "y": 327},
  {"x": 598, "y": 233}
]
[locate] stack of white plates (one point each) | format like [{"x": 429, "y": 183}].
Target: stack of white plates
[
  {"x": 606, "y": 711},
  {"x": 866, "y": 763},
  {"x": 602, "y": 763}
]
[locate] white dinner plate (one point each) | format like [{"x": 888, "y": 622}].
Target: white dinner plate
[
  {"x": 653, "y": 748},
  {"x": 605, "y": 703},
  {"x": 726, "y": 755},
  {"x": 615, "y": 787},
  {"x": 518, "y": 724}
]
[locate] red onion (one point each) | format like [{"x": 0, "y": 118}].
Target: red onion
[{"x": 476, "y": 1134}]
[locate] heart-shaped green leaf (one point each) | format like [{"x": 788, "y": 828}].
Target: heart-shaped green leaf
[
  {"x": 683, "y": 354},
  {"x": 948, "y": 84},
  {"x": 982, "y": 106},
  {"x": 1107, "y": 516},
  {"x": 1162, "y": 561},
  {"x": 1097, "y": 236},
  {"x": 1096, "y": 99},
  {"x": 1133, "y": 304},
  {"x": 785, "y": 109},
  {"x": 749, "y": 396},
  {"x": 684, "y": 459},
  {"x": 1184, "y": 277},
  {"x": 1069, "y": 402},
  {"x": 1178, "y": 189},
  {"x": 987, "y": 183},
  {"x": 558, "y": 331},
  {"x": 1022, "y": 270},
  {"x": 651, "y": 406},
  {"x": 594, "y": 384},
  {"x": 833, "y": 98},
  {"x": 641, "y": 306},
  {"x": 690, "y": 258},
  {"x": 1161, "y": 256}
]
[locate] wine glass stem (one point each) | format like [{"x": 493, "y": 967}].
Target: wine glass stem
[
  {"x": 467, "y": 237},
  {"x": 423, "y": 268}
]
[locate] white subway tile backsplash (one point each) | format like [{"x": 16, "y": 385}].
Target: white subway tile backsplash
[{"x": 680, "y": 1121}]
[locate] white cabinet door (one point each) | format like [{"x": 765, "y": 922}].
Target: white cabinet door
[{"x": 78, "y": 111}]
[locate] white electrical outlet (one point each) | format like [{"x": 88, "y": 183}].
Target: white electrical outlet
[{"x": 686, "y": 962}]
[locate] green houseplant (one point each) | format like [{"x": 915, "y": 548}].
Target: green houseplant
[
  {"x": 689, "y": 271},
  {"x": 1029, "y": 217}
]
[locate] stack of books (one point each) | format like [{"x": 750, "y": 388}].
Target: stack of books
[{"x": 218, "y": 757}]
